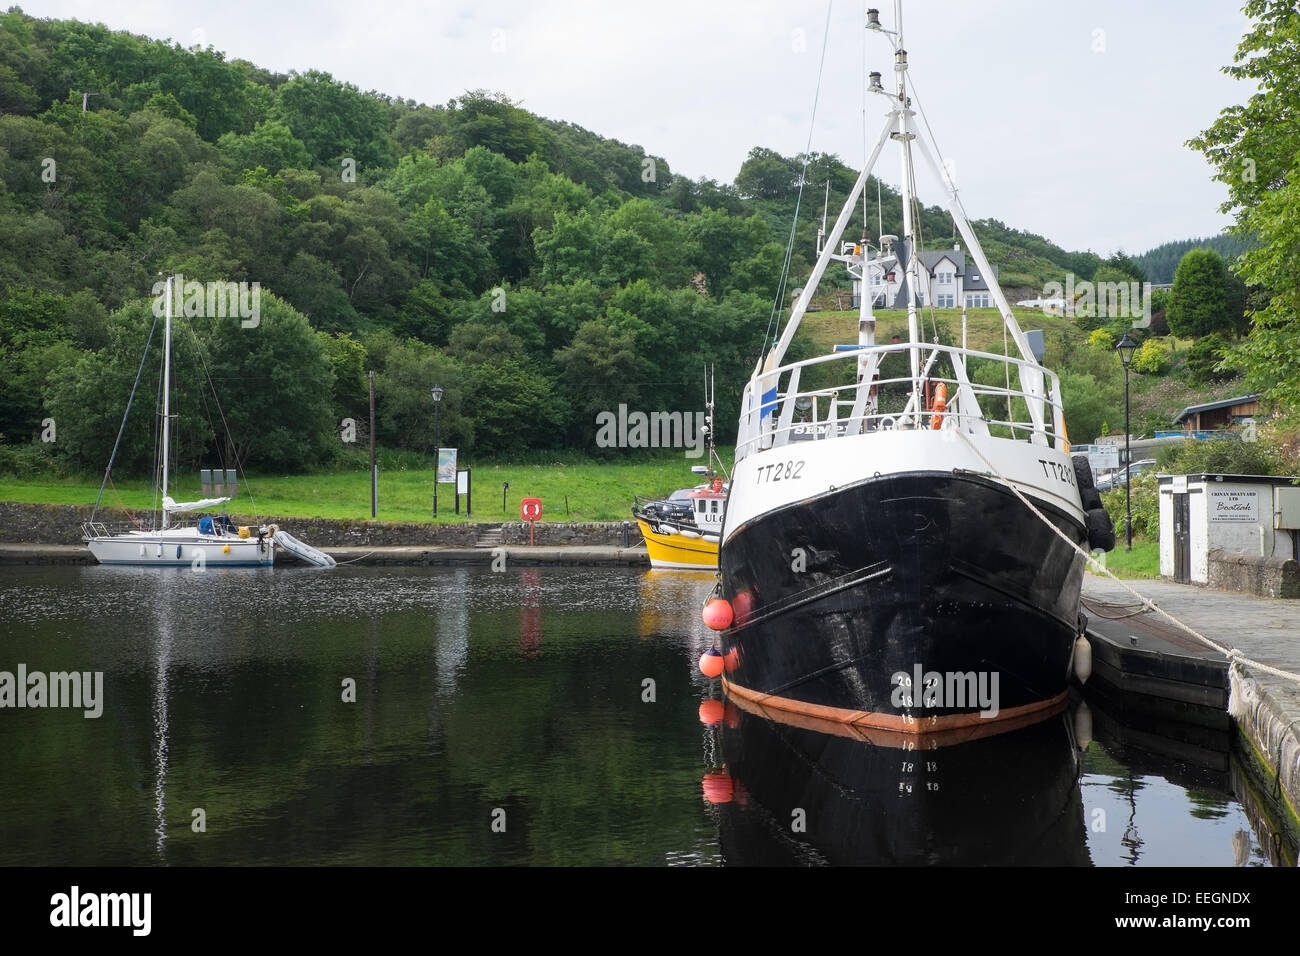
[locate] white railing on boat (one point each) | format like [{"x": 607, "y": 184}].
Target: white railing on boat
[
  {"x": 769, "y": 419},
  {"x": 100, "y": 529}
]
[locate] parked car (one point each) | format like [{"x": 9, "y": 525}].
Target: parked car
[{"x": 1118, "y": 479}]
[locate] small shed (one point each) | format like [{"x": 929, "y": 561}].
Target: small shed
[
  {"x": 1212, "y": 416},
  {"x": 1251, "y": 516}
]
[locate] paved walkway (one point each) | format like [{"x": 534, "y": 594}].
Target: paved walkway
[
  {"x": 1266, "y": 629},
  {"x": 1266, "y": 707}
]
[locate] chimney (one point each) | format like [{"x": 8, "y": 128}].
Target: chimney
[{"x": 956, "y": 246}]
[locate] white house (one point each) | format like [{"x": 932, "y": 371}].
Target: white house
[{"x": 947, "y": 282}]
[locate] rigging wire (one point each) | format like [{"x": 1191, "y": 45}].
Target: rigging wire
[
  {"x": 803, "y": 177},
  {"x": 122, "y": 428}
]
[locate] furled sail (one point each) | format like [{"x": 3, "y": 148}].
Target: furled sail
[{"x": 201, "y": 505}]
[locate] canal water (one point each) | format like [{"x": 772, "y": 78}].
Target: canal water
[{"x": 546, "y": 716}]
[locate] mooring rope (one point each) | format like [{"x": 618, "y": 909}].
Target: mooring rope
[
  {"x": 356, "y": 559},
  {"x": 1232, "y": 654}
]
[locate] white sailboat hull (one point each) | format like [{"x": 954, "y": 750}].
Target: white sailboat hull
[{"x": 179, "y": 547}]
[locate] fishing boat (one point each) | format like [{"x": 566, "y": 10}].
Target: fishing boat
[
  {"x": 213, "y": 540},
  {"x": 682, "y": 531},
  {"x": 930, "y": 538}
]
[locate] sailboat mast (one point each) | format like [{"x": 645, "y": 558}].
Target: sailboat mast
[{"x": 167, "y": 388}]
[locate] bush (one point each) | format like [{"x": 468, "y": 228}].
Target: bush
[
  {"x": 1145, "y": 504},
  {"x": 33, "y": 460},
  {"x": 1223, "y": 456},
  {"x": 1204, "y": 357},
  {"x": 1101, "y": 339},
  {"x": 1152, "y": 358}
]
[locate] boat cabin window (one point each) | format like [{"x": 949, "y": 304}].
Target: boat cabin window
[
  {"x": 701, "y": 505},
  {"x": 714, "y": 509}
]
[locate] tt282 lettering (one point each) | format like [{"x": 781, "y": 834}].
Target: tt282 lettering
[
  {"x": 780, "y": 471},
  {"x": 1061, "y": 472}
]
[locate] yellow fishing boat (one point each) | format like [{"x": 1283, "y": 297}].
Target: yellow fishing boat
[{"x": 682, "y": 530}]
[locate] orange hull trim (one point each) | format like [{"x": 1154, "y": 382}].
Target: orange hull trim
[{"x": 891, "y": 730}]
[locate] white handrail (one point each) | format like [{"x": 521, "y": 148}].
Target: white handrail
[{"x": 962, "y": 411}]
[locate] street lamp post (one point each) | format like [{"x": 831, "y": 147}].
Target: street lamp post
[
  {"x": 436, "y": 392},
  {"x": 1126, "y": 348}
]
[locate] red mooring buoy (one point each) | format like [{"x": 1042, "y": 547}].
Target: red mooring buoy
[
  {"x": 712, "y": 713},
  {"x": 711, "y": 663},
  {"x": 718, "y": 788},
  {"x": 717, "y": 614}
]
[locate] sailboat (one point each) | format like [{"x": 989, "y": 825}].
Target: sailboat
[
  {"x": 213, "y": 540},
  {"x": 915, "y": 566}
]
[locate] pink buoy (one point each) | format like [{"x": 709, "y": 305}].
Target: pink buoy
[
  {"x": 711, "y": 663},
  {"x": 717, "y": 614}
]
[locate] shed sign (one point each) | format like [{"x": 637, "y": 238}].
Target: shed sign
[{"x": 1234, "y": 505}]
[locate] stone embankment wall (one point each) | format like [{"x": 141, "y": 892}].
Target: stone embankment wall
[
  {"x": 1252, "y": 574},
  {"x": 61, "y": 524}
]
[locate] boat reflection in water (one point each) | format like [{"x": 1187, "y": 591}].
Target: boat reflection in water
[
  {"x": 821, "y": 793},
  {"x": 670, "y": 603}
]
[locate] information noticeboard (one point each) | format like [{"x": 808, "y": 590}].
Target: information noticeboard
[{"x": 446, "y": 465}]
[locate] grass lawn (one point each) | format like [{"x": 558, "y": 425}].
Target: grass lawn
[
  {"x": 595, "y": 492},
  {"x": 1142, "y": 562},
  {"x": 983, "y": 326}
]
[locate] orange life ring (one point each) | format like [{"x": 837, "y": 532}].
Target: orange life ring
[{"x": 939, "y": 407}]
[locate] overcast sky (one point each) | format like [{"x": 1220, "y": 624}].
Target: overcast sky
[{"x": 1061, "y": 117}]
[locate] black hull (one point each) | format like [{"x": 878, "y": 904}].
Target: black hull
[
  {"x": 837, "y": 595},
  {"x": 803, "y": 798}
]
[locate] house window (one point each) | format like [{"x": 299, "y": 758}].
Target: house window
[
  {"x": 975, "y": 277},
  {"x": 944, "y": 301},
  {"x": 977, "y": 300},
  {"x": 944, "y": 277}
]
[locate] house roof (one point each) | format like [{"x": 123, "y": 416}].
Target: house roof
[
  {"x": 976, "y": 282},
  {"x": 930, "y": 258},
  {"x": 1191, "y": 410}
]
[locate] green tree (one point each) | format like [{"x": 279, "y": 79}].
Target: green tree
[
  {"x": 271, "y": 145},
  {"x": 1255, "y": 150},
  {"x": 766, "y": 174},
  {"x": 1198, "y": 302}
]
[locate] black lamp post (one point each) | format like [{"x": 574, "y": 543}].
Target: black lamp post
[
  {"x": 436, "y": 392},
  {"x": 1126, "y": 348}
]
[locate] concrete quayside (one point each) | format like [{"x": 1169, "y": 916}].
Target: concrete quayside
[{"x": 1138, "y": 657}]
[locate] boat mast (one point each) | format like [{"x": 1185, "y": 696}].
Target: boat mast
[
  {"x": 167, "y": 387},
  {"x": 908, "y": 187}
]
